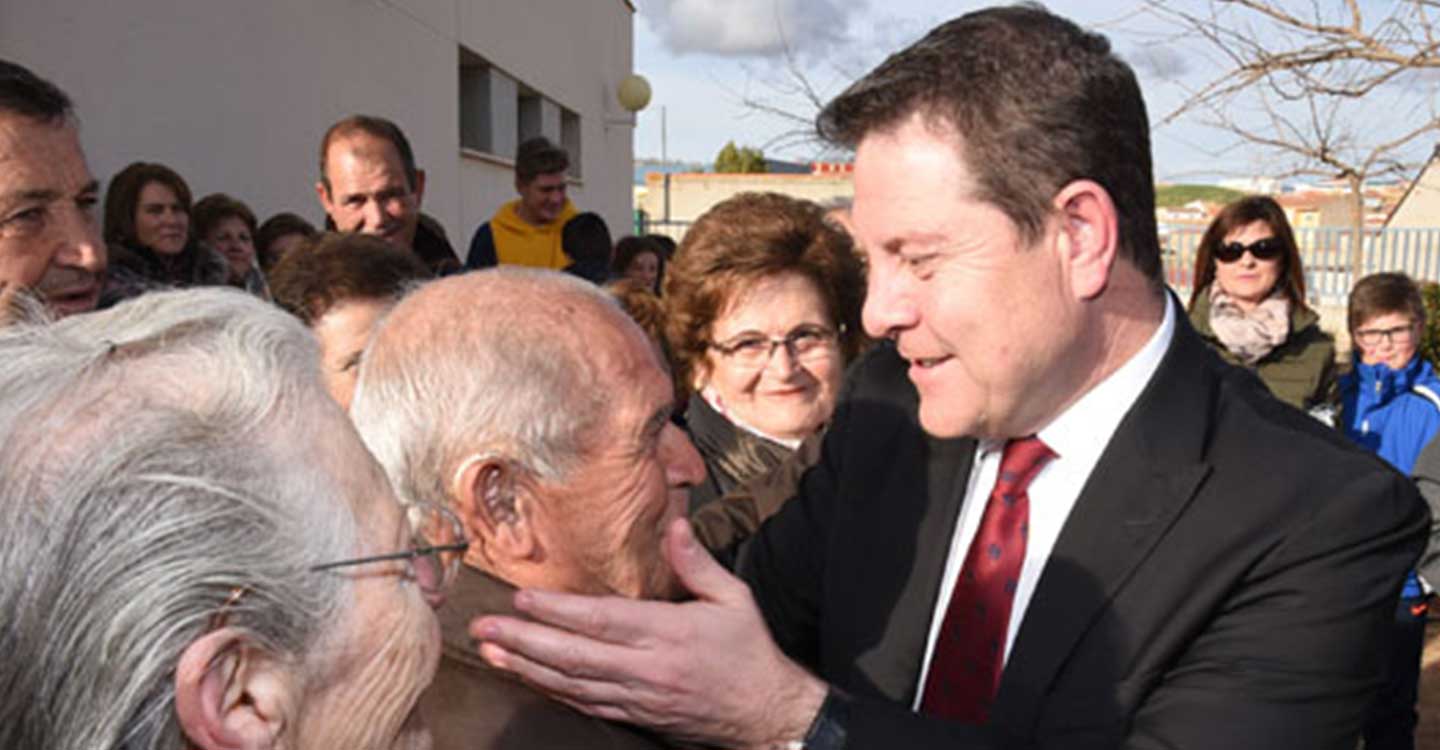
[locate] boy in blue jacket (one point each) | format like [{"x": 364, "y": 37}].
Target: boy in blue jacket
[{"x": 1390, "y": 403}]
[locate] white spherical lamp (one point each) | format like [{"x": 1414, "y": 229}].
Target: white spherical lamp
[{"x": 633, "y": 93}]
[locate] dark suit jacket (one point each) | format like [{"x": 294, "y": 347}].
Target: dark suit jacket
[
  {"x": 1225, "y": 579},
  {"x": 472, "y": 706}
]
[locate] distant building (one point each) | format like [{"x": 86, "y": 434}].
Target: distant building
[
  {"x": 1419, "y": 206},
  {"x": 674, "y": 201},
  {"x": 1254, "y": 185},
  {"x": 1317, "y": 209}
]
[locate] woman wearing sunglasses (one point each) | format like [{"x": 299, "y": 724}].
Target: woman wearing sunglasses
[{"x": 1249, "y": 302}]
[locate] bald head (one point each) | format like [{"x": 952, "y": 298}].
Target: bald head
[{"x": 509, "y": 359}]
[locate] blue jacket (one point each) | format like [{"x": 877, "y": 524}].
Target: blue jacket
[{"x": 1393, "y": 413}]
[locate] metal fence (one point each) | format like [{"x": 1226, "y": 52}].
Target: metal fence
[
  {"x": 1325, "y": 253},
  {"x": 675, "y": 230},
  {"x": 1326, "y": 256}
]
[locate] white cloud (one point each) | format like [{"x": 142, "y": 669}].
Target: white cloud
[
  {"x": 1159, "y": 62},
  {"x": 756, "y": 28}
]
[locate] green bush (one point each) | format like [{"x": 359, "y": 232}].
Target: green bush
[{"x": 1430, "y": 342}]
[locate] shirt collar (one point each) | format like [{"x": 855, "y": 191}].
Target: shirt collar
[{"x": 1073, "y": 434}]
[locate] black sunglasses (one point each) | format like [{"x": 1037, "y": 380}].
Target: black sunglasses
[{"x": 1266, "y": 249}]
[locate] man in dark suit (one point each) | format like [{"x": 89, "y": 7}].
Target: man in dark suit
[{"x": 1046, "y": 515}]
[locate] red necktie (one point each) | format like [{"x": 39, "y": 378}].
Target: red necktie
[{"x": 969, "y": 653}]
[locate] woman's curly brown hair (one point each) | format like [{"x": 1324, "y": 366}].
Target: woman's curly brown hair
[{"x": 744, "y": 239}]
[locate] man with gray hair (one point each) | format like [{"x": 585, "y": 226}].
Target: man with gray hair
[
  {"x": 49, "y": 241},
  {"x": 196, "y": 551},
  {"x": 531, "y": 405}
]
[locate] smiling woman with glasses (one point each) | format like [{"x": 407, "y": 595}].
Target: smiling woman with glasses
[
  {"x": 763, "y": 300},
  {"x": 1249, "y": 302}
]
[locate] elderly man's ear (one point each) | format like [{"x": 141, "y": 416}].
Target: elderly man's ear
[
  {"x": 497, "y": 511},
  {"x": 229, "y": 694}
]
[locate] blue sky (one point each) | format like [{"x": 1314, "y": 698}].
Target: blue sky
[{"x": 702, "y": 57}]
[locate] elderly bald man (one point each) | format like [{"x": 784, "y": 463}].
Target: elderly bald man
[{"x": 531, "y": 405}]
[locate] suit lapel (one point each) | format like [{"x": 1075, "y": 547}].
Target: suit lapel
[
  {"x": 1146, "y": 476},
  {"x": 892, "y": 663}
]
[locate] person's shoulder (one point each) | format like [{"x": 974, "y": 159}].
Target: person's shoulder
[
  {"x": 881, "y": 374},
  {"x": 1255, "y": 432}
]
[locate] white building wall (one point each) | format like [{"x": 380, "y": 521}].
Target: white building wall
[
  {"x": 1421, "y": 205},
  {"x": 236, "y": 95}
]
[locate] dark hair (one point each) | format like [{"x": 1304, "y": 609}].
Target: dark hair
[
  {"x": 376, "y": 127},
  {"x": 336, "y": 267},
  {"x": 275, "y": 227},
  {"x": 538, "y": 156},
  {"x": 666, "y": 243},
  {"x": 26, "y": 94},
  {"x": 122, "y": 199},
  {"x": 216, "y": 207},
  {"x": 1034, "y": 102},
  {"x": 630, "y": 247},
  {"x": 1248, "y": 210},
  {"x": 586, "y": 238},
  {"x": 1381, "y": 294},
  {"x": 749, "y": 237}
]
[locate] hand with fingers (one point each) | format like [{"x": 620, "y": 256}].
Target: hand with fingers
[{"x": 701, "y": 671}]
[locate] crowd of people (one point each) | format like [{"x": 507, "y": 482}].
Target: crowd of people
[{"x": 947, "y": 467}]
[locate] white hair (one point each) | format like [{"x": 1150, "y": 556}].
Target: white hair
[
  {"x": 147, "y": 473},
  {"x": 494, "y": 375}
]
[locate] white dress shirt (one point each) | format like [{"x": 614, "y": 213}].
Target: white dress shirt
[{"x": 1078, "y": 437}]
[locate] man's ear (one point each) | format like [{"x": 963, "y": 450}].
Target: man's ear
[
  {"x": 419, "y": 186},
  {"x": 495, "y": 507},
  {"x": 323, "y": 193},
  {"x": 1089, "y": 235},
  {"x": 230, "y": 694}
]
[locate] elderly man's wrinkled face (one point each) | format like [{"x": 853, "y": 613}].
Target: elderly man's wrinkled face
[
  {"x": 603, "y": 524},
  {"x": 384, "y": 651},
  {"x": 49, "y": 239}
]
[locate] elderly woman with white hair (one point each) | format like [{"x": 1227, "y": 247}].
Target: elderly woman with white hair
[{"x": 196, "y": 551}]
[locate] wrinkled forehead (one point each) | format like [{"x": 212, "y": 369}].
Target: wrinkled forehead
[{"x": 39, "y": 156}]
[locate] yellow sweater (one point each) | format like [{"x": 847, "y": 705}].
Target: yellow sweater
[{"x": 520, "y": 243}]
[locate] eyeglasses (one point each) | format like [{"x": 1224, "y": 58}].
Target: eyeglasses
[
  {"x": 1266, "y": 249},
  {"x": 1401, "y": 335},
  {"x": 437, "y": 543},
  {"x": 438, "y": 540},
  {"x": 806, "y": 343}
]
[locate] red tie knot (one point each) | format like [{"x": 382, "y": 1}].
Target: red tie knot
[{"x": 1022, "y": 459}]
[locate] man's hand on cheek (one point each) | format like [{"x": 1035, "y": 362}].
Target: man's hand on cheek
[{"x": 701, "y": 671}]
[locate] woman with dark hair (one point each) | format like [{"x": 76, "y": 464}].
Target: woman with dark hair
[
  {"x": 763, "y": 306},
  {"x": 341, "y": 285},
  {"x": 147, "y": 229},
  {"x": 641, "y": 259},
  {"x": 279, "y": 235},
  {"x": 586, "y": 242},
  {"x": 227, "y": 226},
  {"x": 1249, "y": 302}
]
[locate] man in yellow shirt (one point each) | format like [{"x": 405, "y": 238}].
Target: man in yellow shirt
[{"x": 526, "y": 231}]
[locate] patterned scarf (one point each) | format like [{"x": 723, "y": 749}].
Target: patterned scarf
[{"x": 1249, "y": 336}]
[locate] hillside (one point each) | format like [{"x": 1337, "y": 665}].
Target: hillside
[{"x": 1171, "y": 196}]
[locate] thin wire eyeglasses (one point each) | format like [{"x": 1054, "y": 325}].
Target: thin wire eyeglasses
[
  {"x": 437, "y": 543},
  {"x": 1397, "y": 335},
  {"x": 804, "y": 343}
]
